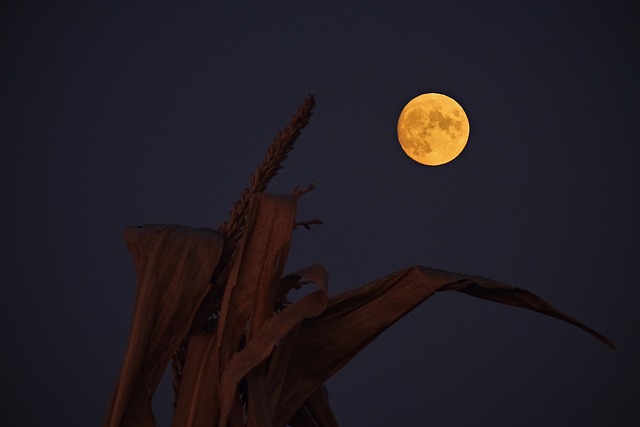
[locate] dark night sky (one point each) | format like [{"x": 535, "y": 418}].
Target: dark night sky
[{"x": 122, "y": 113}]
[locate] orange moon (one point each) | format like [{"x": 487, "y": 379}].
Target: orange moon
[{"x": 433, "y": 129}]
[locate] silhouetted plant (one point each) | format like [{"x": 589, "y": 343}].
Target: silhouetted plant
[{"x": 243, "y": 354}]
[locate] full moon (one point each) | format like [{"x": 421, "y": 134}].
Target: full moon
[{"x": 433, "y": 129}]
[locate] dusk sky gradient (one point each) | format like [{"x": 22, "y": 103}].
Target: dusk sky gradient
[{"x": 129, "y": 112}]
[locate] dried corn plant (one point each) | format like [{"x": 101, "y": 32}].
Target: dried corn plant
[{"x": 243, "y": 355}]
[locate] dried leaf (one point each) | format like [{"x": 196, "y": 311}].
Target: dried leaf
[
  {"x": 487, "y": 289},
  {"x": 353, "y": 319},
  {"x": 265, "y": 340},
  {"x": 250, "y": 293},
  {"x": 250, "y": 299},
  {"x": 174, "y": 264},
  {"x": 198, "y": 394}
]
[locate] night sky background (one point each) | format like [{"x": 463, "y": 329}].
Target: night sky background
[{"x": 128, "y": 112}]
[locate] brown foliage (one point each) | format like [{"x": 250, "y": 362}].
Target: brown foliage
[
  {"x": 173, "y": 264},
  {"x": 265, "y": 359}
]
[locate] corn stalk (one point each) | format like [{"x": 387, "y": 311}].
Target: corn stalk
[{"x": 216, "y": 301}]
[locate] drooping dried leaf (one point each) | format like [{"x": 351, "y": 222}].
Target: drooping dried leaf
[
  {"x": 352, "y": 320},
  {"x": 510, "y": 295},
  {"x": 173, "y": 263}
]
